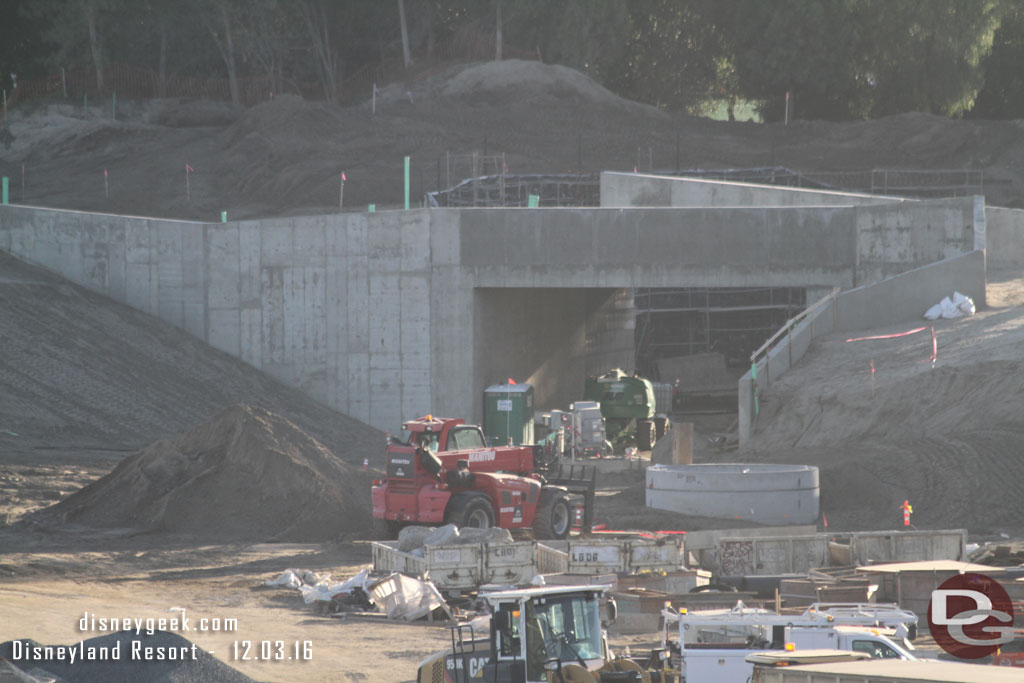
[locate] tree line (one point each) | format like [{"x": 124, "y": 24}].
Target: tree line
[{"x": 825, "y": 59}]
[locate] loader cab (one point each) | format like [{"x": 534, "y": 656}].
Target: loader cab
[{"x": 535, "y": 629}]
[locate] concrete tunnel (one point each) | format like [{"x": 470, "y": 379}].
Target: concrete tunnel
[{"x": 550, "y": 337}]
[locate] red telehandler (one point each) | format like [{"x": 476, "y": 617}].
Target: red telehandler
[{"x": 443, "y": 472}]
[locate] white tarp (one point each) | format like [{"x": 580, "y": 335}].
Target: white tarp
[
  {"x": 318, "y": 587},
  {"x": 403, "y": 597}
]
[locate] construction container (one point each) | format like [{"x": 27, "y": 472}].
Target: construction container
[
  {"x": 662, "y": 397},
  {"x": 465, "y": 567},
  {"x": 763, "y": 493},
  {"x": 601, "y": 556},
  {"x": 508, "y": 414}
]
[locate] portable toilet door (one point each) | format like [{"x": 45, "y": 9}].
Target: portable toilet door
[{"x": 508, "y": 413}]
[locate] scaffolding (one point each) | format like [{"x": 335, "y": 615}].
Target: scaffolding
[
  {"x": 732, "y": 321},
  {"x": 505, "y": 190}
]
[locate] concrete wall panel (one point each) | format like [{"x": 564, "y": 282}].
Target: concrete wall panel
[
  {"x": 358, "y": 381},
  {"x": 1004, "y": 237},
  {"x": 222, "y": 270},
  {"x": 276, "y": 240},
  {"x": 892, "y": 238},
  {"x": 908, "y": 295},
  {"x": 224, "y": 330},
  {"x": 638, "y": 190},
  {"x": 272, "y": 316}
]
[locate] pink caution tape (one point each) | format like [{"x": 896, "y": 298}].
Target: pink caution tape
[
  {"x": 935, "y": 344},
  {"x": 889, "y": 336}
]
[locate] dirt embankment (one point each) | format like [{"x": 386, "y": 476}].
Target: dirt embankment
[
  {"x": 286, "y": 156},
  {"x": 85, "y": 382},
  {"x": 946, "y": 437}
]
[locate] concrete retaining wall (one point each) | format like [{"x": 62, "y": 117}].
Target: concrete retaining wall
[
  {"x": 1004, "y": 237},
  {"x": 890, "y": 234},
  {"x": 908, "y": 295},
  {"x": 897, "y": 299},
  {"x": 636, "y": 190},
  {"x": 339, "y": 306},
  {"x": 390, "y": 315}
]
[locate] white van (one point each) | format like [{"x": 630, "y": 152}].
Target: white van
[{"x": 714, "y": 646}]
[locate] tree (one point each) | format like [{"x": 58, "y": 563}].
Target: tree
[
  {"x": 406, "y": 58},
  {"x": 318, "y": 31},
  {"x": 672, "y": 54},
  {"x": 218, "y": 16},
  {"x": 858, "y": 58},
  {"x": 811, "y": 49},
  {"x": 78, "y": 28},
  {"x": 926, "y": 54},
  {"x": 1002, "y": 95}
]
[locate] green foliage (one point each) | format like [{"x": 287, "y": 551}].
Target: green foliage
[
  {"x": 675, "y": 53},
  {"x": 858, "y": 58},
  {"x": 837, "y": 58},
  {"x": 1002, "y": 96},
  {"x": 23, "y": 49},
  {"x": 926, "y": 54}
]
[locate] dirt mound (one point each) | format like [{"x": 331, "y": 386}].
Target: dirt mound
[
  {"x": 245, "y": 474},
  {"x": 284, "y": 157},
  {"x": 515, "y": 80}
]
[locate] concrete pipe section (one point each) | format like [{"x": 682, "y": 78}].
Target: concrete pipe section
[{"x": 765, "y": 494}]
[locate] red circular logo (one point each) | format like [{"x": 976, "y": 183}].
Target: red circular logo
[{"x": 970, "y": 616}]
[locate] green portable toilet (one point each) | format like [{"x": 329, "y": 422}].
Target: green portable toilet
[{"x": 508, "y": 413}]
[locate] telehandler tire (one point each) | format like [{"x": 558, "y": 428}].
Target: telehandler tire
[
  {"x": 469, "y": 510},
  {"x": 553, "y": 518},
  {"x": 644, "y": 435}
]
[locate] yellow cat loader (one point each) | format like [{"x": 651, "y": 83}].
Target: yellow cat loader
[{"x": 542, "y": 635}]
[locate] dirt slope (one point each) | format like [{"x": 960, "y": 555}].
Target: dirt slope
[
  {"x": 85, "y": 382},
  {"x": 285, "y": 156},
  {"x": 947, "y": 438}
]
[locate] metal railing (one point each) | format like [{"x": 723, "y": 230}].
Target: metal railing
[{"x": 787, "y": 330}]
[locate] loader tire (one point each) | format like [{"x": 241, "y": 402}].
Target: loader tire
[
  {"x": 553, "y": 518},
  {"x": 571, "y": 673},
  {"x": 472, "y": 510},
  {"x": 644, "y": 435},
  {"x": 629, "y": 665},
  {"x": 661, "y": 427}
]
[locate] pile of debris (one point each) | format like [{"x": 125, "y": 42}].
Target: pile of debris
[
  {"x": 396, "y": 595},
  {"x": 1010, "y": 554}
]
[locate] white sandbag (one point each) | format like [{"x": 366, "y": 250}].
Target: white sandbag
[
  {"x": 949, "y": 309},
  {"x": 933, "y": 313},
  {"x": 494, "y": 535},
  {"x": 445, "y": 535},
  {"x": 412, "y": 537},
  {"x": 964, "y": 304}
]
